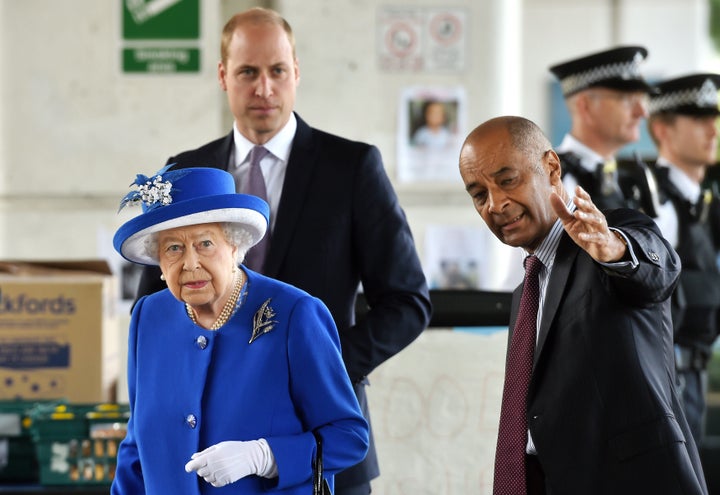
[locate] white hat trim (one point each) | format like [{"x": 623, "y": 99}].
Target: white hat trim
[
  {"x": 134, "y": 246},
  {"x": 705, "y": 96},
  {"x": 623, "y": 70}
]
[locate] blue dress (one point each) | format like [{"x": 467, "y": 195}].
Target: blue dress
[{"x": 190, "y": 388}]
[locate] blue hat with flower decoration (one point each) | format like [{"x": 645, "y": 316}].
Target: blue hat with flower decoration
[{"x": 183, "y": 197}]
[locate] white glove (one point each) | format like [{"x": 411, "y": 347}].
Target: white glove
[{"x": 227, "y": 462}]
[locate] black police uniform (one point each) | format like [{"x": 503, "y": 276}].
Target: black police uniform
[
  {"x": 696, "y": 300},
  {"x": 636, "y": 186}
]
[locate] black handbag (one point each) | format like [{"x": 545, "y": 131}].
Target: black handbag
[{"x": 320, "y": 484}]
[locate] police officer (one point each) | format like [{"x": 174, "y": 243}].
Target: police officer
[
  {"x": 682, "y": 123},
  {"x": 607, "y": 99}
]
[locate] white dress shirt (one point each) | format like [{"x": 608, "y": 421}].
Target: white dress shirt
[
  {"x": 273, "y": 165},
  {"x": 667, "y": 219}
]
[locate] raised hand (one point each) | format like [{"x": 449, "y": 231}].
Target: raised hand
[{"x": 588, "y": 228}]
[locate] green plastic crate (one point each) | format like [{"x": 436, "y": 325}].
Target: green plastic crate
[
  {"x": 18, "y": 457},
  {"x": 77, "y": 444},
  {"x": 18, "y": 461}
]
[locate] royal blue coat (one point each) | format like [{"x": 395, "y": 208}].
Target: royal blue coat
[{"x": 190, "y": 388}]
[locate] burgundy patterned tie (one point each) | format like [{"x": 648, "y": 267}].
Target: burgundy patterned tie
[
  {"x": 255, "y": 185},
  {"x": 512, "y": 434}
]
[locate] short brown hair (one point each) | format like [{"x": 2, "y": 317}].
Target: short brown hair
[{"x": 256, "y": 15}]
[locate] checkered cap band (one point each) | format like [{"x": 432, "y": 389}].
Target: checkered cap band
[
  {"x": 628, "y": 70},
  {"x": 706, "y": 96}
]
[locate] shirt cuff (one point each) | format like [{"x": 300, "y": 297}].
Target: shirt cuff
[{"x": 623, "y": 267}]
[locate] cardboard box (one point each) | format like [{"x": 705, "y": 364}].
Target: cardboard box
[{"x": 58, "y": 331}]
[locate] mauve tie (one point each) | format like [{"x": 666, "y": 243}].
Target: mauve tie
[
  {"x": 255, "y": 185},
  {"x": 512, "y": 433}
]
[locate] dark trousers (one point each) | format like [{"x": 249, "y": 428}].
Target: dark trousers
[
  {"x": 534, "y": 476},
  {"x": 361, "y": 489},
  {"x": 692, "y": 387}
]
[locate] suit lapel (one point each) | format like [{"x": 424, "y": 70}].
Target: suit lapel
[
  {"x": 564, "y": 258},
  {"x": 222, "y": 154},
  {"x": 515, "y": 307},
  {"x": 300, "y": 169}
]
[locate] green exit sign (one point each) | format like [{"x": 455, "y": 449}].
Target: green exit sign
[
  {"x": 160, "y": 36},
  {"x": 161, "y": 19}
]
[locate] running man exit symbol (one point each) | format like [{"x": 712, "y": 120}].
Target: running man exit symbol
[
  {"x": 142, "y": 10},
  {"x": 161, "y": 19}
]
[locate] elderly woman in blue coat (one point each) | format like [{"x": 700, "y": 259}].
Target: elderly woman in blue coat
[{"x": 230, "y": 374}]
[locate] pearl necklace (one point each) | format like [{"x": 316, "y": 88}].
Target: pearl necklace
[{"x": 229, "y": 307}]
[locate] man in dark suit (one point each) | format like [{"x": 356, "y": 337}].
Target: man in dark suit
[
  {"x": 597, "y": 411},
  {"x": 335, "y": 218}
]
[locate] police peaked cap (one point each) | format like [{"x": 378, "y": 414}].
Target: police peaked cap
[
  {"x": 617, "y": 68},
  {"x": 694, "y": 94}
]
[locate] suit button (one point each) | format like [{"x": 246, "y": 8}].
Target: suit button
[
  {"x": 201, "y": 342},
  {"x": 191, "y": 420}
]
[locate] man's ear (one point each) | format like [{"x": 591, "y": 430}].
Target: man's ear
[
  {"x": 554, "y": 171},
  {"x": 552, "y": 162},
  {"x": 658, "y": 129},
  {"x": 221, "y": 76}
]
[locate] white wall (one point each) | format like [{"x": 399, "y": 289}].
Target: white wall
[{"x": 74, "y": 130}]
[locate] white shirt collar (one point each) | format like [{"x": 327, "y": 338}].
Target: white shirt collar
[
  {"x": 688, "y": 188},
  {"x": 588, "y": 158},
  {"x": 279, "y": 145}
]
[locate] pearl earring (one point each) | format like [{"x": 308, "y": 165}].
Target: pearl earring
[{"x": 162, "y": 277}]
